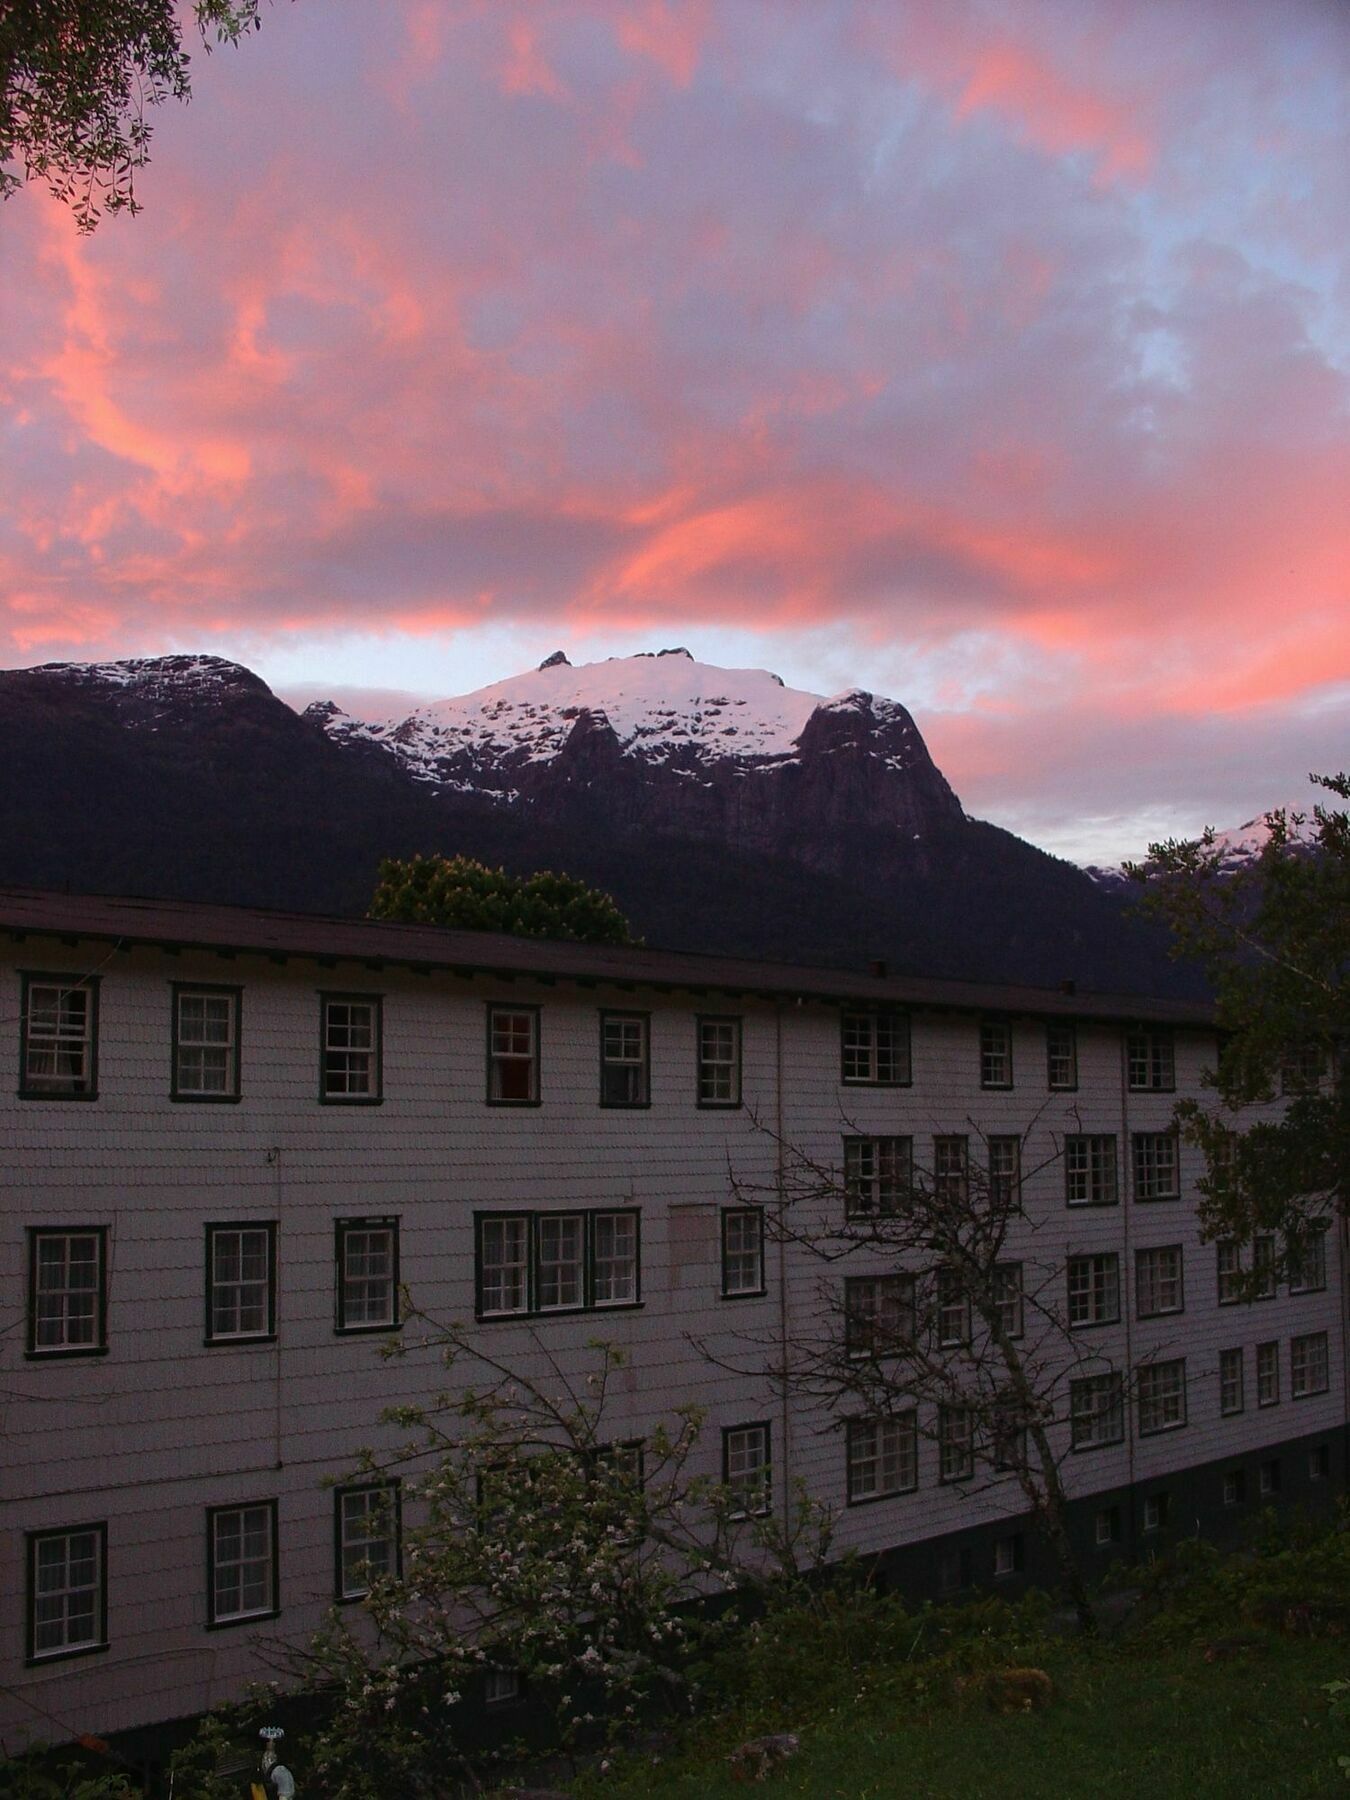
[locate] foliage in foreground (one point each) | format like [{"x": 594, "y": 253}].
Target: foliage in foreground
[{"x": 466, "y": 895}]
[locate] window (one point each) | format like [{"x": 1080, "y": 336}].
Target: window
[
  {"x": 877, "y": 1175},
  {"x": 1149, "y": 1064},
  {"x": 742, "y": 1251},
  {"x": 1157, "y": 1281},
  {"x": 1234, "y": 1487},
  {"x": 1230, "y": 1273},
  {"x": 67, "y": 1292},
  {"x": 875, "y": 1048},
  {"x": 1308, "y": 1366},
  {"x": 883, "y": 1457},
  {"x": 952, "y": 1307},
  {"x": 1090, "y": 1171},
  {"x": 1162, "y": 1396},
  {"x": 1107, "y": 1526},
  {"x": 349, "y": 1067},
  {"x": 501, "y": 1687},
  {"x": 719, "y": 1062},
  {"x": 67, "y": 1591},
  {"x": 367, "y": 1274},
  {"x": 1008, "y": 1555},
  {"x": 1096, "y": 1411},
  {"x": 1231, "y": 1381},
  {"x": 513, "y": 1055},
  {"x": 58, "y": 1038},
  {"x": 1307, "y": 1261},
  {"x": 878, "y": 1314},
  {"x": 240, "y": 1286},
  {"x": 746, "y": 1470},
  {"x": 205, "y": 1063},
  {"x": 1061, "y": 1056},
  {"x": 1008, "y": 1297},
  {"x": 366, "y": 1536},
  {"x": 1319, "y": 1463},
  {"x": 1302, "y": 1067},
  {"x": 1009, "y": 1435},
  {"x": 1268, "y": 1479},
  {"x": 956, "y": 1443},
  {"x": 1094, "y": 1289},
  {"x": 1005, "y": 1171},
  {"x": 995, "y": 1053},
  {"x": 1263, "y": 1267},
  {"x": 625, "y": 1065},
  {"x": 1156, "y": 1175},
  {"x": 951, "y": 1181},
  {"x": 1156, "y": 1508},
  {"x": 555, "y": 1262},
  {"x": 955, "y": 1569},
  {"x": 241, "y": 1550},
  {"x": 1268, "y": 1374}
]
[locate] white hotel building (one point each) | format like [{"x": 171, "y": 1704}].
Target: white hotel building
[{"x": 230, "y": 1136}]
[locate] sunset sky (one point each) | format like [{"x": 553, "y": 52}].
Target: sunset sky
[{"x": 992, "y": 356}]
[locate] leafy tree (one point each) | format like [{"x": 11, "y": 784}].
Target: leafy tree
[
  {"x": 76, "y": 79},
  {"x": 1274, "y": 936},
  {"x": 459, "y": 892}
]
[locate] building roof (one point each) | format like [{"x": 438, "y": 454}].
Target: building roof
[{"x": 190, "y": 925}]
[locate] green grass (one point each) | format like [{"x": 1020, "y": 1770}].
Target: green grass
[{"x": 1156, "y": 1726}]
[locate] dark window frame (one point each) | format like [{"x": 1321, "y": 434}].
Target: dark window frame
[
  {"x": 743, "y": 1212},
  {"x": 904, "y": 1046},
  {"x": 1160, "y": 1048},
  {"x": 1089, "y": 1138},
  {"x": 532, "y": 1309},
  {"x": 1090, "y": 1256},
  {"x": 737, "y": 1022},
  {"x": 728, "y": 1432},
  {"x": 852, "y": 1427},
  {"x": 33, "y": 1657},
  {"x": 1310, "y": 1337},
  {"x": 860, "y": 1344},
  {"x": 1070, "y": 1027},
  {"x": 1113, "y": 1413},
  {"x": 34, "y": 1351},
  {"x": 1163, "y": 1312},
  {"x": 1137, "y": 1140},
  {"x": 645, "y": 1066},
  {"x": 329, "y": 998},
  {"x": 1003, "y": 1025},
  {"x": 188, "y": 1097},
  {"x": 1150, "y": 1369},
  {"x": 853, "y": 1180},
  {"x": 341, "y": 1228},
  {"x": 274, "y": 1565},
  {"x": 224, "y": 1341},
  {"x": 390, "y": 1485},
  {"x": 30, "y": 978}
]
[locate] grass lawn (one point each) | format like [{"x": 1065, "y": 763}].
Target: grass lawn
[{"x": 1164, "y": 1725}]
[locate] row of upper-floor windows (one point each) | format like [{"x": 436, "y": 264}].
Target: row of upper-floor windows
[
  {"x": 59, "y": 1049},
  {"x": 880, "y": 1172}
]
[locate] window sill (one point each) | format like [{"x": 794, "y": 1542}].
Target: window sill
[
  {"x": 253, "y": 1618},
  {"x": 205, "y": 1099},
  {"x": 54, "y": 1094},
  {"x": 559, "y": 1312},
  {"x": 43, "y": 1657},
  {"x": 744, "y": 1294},
  {"x": 241, "y": 1342},
  {"x": 351, "y": 1099},
  {"x": 65, "y": 1355},
  {"x": 368, "y": 1330}
]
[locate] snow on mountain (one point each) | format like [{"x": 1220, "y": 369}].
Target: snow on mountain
[
  {"x": 661, "y": 706},
  {"x": 1238, "y": 847}
]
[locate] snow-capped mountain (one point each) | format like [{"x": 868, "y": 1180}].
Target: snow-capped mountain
[{"x": 1238, "y": 847}]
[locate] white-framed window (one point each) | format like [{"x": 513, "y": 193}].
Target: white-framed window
[
  {"x": 746, "y": 1469},
  {"x": 240, "y": 1282},
  {"x": 1161, "y": 1390},
  {"x": 951, "y": 1169},
  {"x": 1005, "y": 1170},
  {"x": 874, "y": 1049},
  {"x": 1229, "y": 1264},
  {"x": 67, "y": 1291},
  {"x": 58, "y": 1039},
  {"x": 742, "y": 1251},
  {"x": 951, "y": 1306},
  {"x": 1308, "y": 1365},
  {"x": 878, "y": 1314},
  {"x": 1061, "y": 1056},
  {"x": 1008, "y": 1297},
  {"x": 1008, "y": 1555},
  {"x": 1096, "y": 1411},
  {"x": 1158, "y": 1281},
  {"x": 1094, "y": 1288},
  {"x": 625, "y": 1063},
  {"x": 205, "y": 1062},
  {"x": 1232, "y": 1381},
  {"x": 956, "y": 1443},
  {"x": 1234, "y": 1487},
  {"x": 350, "y": 1056},
  {"x": 1263, "y": 1267},
  {"x": 1090, "y": 1170},
  {"x": 546, "y": 1262},
  {"x": 1156, "y": 1174},
  {"x": 513, "y": 1055},
  {"x": 1268, "y": 1373},
  {"x": 366, "y": 1536},
  {"x": 1106, "y": 1526},
  {"x": 1150, "y": 1065},
  {"x": 1307, "y": 1260},
  {"x": 996, "y": 1064},
  {"x": 1156, "y": 1508},
  {"x": 241, "y": 1546},
  {"x": 501, "y": 1687},
  {"x": 67, "y": 1591},
  {"x": 1268, "y": 1479},
  {"x": 883, "y": 1457},
  {"x": 878, "y": 1172},
  {"x": 367, "y": 1274},
  {"x": 719, "y": 1061}
]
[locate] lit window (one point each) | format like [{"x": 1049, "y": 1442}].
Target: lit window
[
  {"x": 995, "y": 1053},
  {"x": 239, "y": 1282},
  {"x": 1061, "y": 1056},
  {"x": 1157, "y": 1281},
  {"x": 1231, "y": 1381},
  {"x": 746, "y": 1470},
  {"x": 1149, "y": 1062},
  {"x": 1308, "y": 1365},
  {"x": 719, "y": 1062},
  {"x": 878, "y": 1173},
  {"x": 1090, "y": 1171},
  {"x": 1094, "y": 1289},
  {"x": 742, "y": 1251},
  {"x": 67, "y": 1300},
  {"x": 350, "y": 1061},
  {"x": 205, "y": 1043},
  {"x": 367, "y": 1520},
  {"x": 513, "y": 1055},
  {"x": 1096, "y": 1411},
  {"x": 58, "y": 1037},
  {"x": 1162, "y": 1396},
  {"x": 367, "y": 1274},
  {"x": 67, "y": 1591},
  {"x": 1155, "y": 1166},
  {"x": 883, "y": 1457},
  {"x": 875, "y": 1048},
  {"x": 242, "y": 1552},
  {"x": 625, "y": 1075}
]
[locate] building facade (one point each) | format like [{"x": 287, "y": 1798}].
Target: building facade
[{"x": 233, "y": 1139}]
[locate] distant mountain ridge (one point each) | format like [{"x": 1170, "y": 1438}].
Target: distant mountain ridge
[{"x": 723, "y": 810}]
